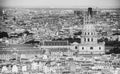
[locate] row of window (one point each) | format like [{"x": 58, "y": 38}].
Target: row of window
[
  {"x": 55, "y": 44},
  {"x": 86, "y": 22},
  {"x": 89, "y": 33},
  {"x": 90, "y": 48},
  {"x": 88, "y": 39}
]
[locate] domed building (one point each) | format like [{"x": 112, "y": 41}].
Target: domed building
[{"x": 89, "y": 40}]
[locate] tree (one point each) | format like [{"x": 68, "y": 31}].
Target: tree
[{"x": 3, "y": 34}]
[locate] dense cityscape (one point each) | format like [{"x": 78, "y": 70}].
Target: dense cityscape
[{"x": 59, "y": 41}]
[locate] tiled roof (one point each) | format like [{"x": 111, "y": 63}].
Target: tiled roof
[{"x": 55, "y": 43}]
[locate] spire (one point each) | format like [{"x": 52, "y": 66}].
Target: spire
[{"x": 88, "y": 17}]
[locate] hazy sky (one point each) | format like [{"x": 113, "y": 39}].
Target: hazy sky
[{"x": 61, "y": 3}]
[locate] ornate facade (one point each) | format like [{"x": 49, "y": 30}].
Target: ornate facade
[{"x": 89, "y": 41}]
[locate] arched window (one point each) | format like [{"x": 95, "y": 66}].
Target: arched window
[
  {"x": 88, "y": 39},
  {"x": 82, "y": 48},
  {"x": 76, "y": 47},
  {"x": 99, "y": 48},
  {"x": 91, "y": 48},
  {"x": 85, "y": 39}
]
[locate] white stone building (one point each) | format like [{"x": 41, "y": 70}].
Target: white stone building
[
  {"x": 89, "y": 43},
  {"x": 89, "y": 39}
]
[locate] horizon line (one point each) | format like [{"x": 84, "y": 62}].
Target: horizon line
[{"x": 51, "y": 7}]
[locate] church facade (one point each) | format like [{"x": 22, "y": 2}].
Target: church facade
[{"x": 89, "y": 39}]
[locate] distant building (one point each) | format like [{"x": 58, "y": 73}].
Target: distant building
[
  {"x": 55, "y": 43},
  {"x": 89, "y": 43},
  {"x": 1, "y": 13},
  {"x": 55, "y": 46},
  {"x": 78, "y": 13},
  {"x": 89, "y": 40}
]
